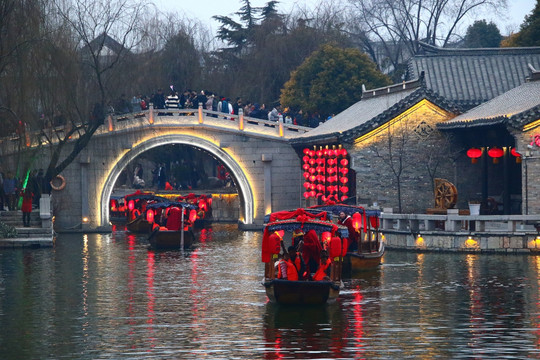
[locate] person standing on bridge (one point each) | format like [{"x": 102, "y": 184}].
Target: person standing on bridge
[{"x": 159, "y": 100}]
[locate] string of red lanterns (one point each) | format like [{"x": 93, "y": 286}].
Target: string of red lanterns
[
  {"x": 326, "y": 173},
  {"x": 495, "y": 153}
]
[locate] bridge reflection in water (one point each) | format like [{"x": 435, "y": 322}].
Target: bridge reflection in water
[{"x": 109, "y": 296}]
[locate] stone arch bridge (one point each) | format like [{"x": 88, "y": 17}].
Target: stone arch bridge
[{"x": 257, "y": 153}]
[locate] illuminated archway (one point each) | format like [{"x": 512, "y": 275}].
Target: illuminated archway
[{"x": 243, "y": 185}]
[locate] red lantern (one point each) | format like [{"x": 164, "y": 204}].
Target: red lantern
[
  {"x": 312, "y": 161},
  {"x": 306, "y": 151},
  {"x": 306, "y": 185},
  {"x": 344, "y": 197},
  {"x": 311, "y": 170},
  {"x": 312, "y": 193},
  {"x": 344, "y": 162},
  {"x": 474, "y": 154},
  {"x": 344, "y": 189},
  {"x": 495, "y": 153},
  {"x": 319, "y": 153},
  {"x": 306, "y": 175},
  {"x": 344, "y": 180},
  {"x": 131, "y": 205},
  {"x": 517, "y": 155},
  {"x": 357, "y": 221},
  {"x": 306, "y": 194},
  {"x": 202, "y": 205},
  {"x": 325, "y": 237},
  {"x": 193, "y": 215},
  {"x": 305, "y": 167},
  {"x": 305, "y": 159},
  {"x": 343, "y": 152},
  {"x": 150, "y": 216},
  {"x": 312, "y": 178}
]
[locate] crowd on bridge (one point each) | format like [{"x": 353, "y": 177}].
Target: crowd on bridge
[{"x": 189, "y": 99}]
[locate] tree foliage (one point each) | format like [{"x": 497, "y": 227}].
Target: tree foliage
[
  {"x": 330, "y": 80},
  {"x": 529, "y": 33},
  {"x": 482, "y": 35}
]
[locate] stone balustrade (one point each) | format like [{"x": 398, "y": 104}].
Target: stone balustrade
[{"x": 453, "y": 232}]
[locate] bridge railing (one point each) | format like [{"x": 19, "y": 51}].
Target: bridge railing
[{"x": 11, "y": 143}]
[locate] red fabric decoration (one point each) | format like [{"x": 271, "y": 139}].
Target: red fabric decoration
[
  {"x": 174, "y": 221},
  {"x": 335, "y": 247}
]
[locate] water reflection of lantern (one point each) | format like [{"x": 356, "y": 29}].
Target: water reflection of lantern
[
  {"x": 474, "y": 154},
  {"x": 150, "y": 216},
  {"x": 495, "y": 153},
  {"x": 516, "y": 155},
  {"x": 131, "y": 205}
]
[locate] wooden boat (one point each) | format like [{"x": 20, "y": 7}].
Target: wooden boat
[
  {"x": 139, "y": 225},
  {"x": 300, "y": 292},
  {"x": 171, "y": 239},
  {"x": 177, "y": 234},
  {"x": 364, "y": 225}
]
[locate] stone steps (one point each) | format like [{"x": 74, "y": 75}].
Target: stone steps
[
  {"x": 14, "y": 218},
  {"x": 34, "y": 236}
]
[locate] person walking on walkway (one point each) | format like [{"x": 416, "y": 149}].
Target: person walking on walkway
[{"x": 10, "y": 191}]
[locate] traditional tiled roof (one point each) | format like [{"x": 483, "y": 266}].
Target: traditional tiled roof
[
  {"x": 376, "y": 108},
  {"x": 469, "y": 77},
  {"x": 516, "y": 107}
]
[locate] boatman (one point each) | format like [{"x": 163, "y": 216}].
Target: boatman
[{"x": 346, "y": 220}]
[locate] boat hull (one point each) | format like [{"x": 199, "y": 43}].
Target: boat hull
[
  {"x": 139, "y": 226},
  {"x": 363, "y": 261},
  {"x": 168, "y": 239},
  {"x": 301, "y": 292}
]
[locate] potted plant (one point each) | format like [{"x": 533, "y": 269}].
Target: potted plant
[{"x": 474, "y": 207}]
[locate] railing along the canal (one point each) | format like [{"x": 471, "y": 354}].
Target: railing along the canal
[{"x": 454, "y": 232}]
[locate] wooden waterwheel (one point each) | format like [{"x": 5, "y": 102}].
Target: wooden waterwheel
[{"x": 445, "y": 194}]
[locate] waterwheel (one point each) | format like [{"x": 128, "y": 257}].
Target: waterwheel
[{"x": 445, "y": 194}]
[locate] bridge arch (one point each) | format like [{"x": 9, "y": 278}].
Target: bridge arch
[{"x": 243, "y": 185}]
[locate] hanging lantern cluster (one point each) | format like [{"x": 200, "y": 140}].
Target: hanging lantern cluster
[
  {"x": 494, "y": 152},
  {"x": 326, "y": 173}
]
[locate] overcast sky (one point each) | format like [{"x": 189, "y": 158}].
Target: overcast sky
[{"x": 204, "y": 10}]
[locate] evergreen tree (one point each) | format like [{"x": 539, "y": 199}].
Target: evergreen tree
[
  {"x": 330, "y": 80},
  {"x": 482, "y": 35},
  {"x": 529, "y": 33}
]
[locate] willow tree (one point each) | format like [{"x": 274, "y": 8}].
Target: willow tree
[{"x": 331, "y": 80}]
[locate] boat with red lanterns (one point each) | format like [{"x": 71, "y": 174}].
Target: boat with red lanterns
[
  {"x": 366, "y": 245},
  {"x": 172, "y": 224},
  {"x": 204, "y": 208},
  {"x": 318, "y": 233},
  {"x": 117, "y": 209}
]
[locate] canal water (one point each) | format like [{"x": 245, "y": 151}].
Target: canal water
[{"x": 107, "y": 296}]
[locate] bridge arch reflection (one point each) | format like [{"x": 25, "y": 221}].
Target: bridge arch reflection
[{"x": 243, "y": 185}]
